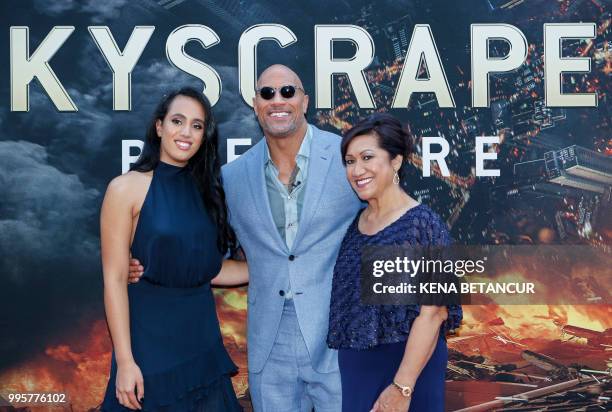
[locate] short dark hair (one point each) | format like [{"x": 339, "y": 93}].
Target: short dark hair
[{"x": 392, "y": 136}]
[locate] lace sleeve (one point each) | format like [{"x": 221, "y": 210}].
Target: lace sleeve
[{"x": 437, "y": 235}]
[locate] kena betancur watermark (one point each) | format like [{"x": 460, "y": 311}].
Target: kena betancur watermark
[{"x": 500, "y": 274}]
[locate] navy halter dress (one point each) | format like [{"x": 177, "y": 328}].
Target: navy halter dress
[{"x": 174, "y": 330}]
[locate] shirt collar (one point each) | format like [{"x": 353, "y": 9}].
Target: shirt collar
[{"x": 304, "y": 151}]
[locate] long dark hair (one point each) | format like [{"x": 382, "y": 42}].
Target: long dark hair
[{"x": 204, "y": 165}]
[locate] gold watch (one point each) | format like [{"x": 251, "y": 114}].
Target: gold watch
[{"x": 406, "y": 391}]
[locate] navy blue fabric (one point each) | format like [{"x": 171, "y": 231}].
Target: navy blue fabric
[
  {"x": 366, "y": 373},
  {"x": 177, "y": 240},
  {"x": 357, "y": 326},
  {"x": 174, "y": 330}
]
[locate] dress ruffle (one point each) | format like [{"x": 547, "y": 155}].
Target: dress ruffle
[
  {"x": 197, "y": 373},
  {"x": 197, "y": 384},
  {"x": 392, "y": 324}
]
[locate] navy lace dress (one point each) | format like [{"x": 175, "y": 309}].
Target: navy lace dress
[
  {"x": 174, "y": 330},
  {"x": 371, "y": 339}
]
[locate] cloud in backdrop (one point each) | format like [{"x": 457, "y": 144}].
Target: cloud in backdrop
[
  {"x": 48, "y": 245},
  {"x": 99, "y": 11}
]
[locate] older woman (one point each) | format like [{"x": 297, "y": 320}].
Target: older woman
[{"x": 391, "y": 358}]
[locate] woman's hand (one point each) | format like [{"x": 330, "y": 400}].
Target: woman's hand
[
  {"x": 129, "y": 377},
  {"x": 391, "y": 400}
]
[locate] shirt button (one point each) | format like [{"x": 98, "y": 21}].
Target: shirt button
[
  {"x": 281, "y": 292},
  {"x": 291, "y": 257}
]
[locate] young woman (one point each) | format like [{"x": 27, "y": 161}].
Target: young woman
[{"x": 169, "y": 212}]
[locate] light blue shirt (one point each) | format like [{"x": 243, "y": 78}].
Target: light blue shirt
[{"x": 286, "y": 201}]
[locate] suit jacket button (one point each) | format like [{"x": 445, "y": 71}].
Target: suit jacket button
[
  {"x": 281, "y": 292},
  {"x": 291, "y": 257}
]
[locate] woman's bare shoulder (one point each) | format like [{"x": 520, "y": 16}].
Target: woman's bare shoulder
[{"x": 130, "y": 185}]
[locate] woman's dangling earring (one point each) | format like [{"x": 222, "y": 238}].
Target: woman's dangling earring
[{"x": 396, "y": 178}]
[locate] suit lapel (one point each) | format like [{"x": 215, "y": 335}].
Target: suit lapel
[
  {"x": 259, "y": 192},
  {"x": 318, "y": 168}
]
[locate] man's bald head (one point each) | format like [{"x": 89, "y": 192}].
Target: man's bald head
[
  {"x": 279, "y": 70},
  {"x": 281, "y": 116}
]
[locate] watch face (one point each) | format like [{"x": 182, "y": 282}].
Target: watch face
[{"x": 405, "y": 390}]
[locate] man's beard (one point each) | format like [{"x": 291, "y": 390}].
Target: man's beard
[{"x": 274, "y": 132}]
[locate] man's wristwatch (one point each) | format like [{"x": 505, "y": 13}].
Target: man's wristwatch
[{"x": 406, "y": 391}]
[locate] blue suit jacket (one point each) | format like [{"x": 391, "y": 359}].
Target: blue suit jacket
[{"x": 329, "y": 207}]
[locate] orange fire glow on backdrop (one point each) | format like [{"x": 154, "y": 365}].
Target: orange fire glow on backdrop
[{"x": 80, "y": 367}]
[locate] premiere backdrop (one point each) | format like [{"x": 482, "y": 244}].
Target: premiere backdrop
[{"x": 54, "y": 168}]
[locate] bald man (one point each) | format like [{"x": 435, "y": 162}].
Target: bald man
[{"x": 290, "y": 204}]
